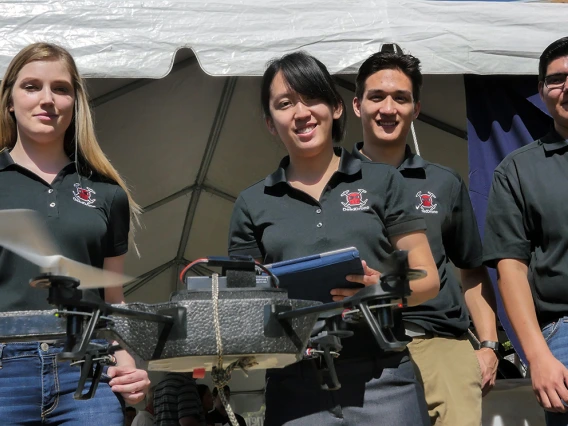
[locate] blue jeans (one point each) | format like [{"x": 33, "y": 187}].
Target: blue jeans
[
  {"x": 35, "y": 389},
  {"x": 374, "y": 391},
  {"x": 556, "y": 336}
]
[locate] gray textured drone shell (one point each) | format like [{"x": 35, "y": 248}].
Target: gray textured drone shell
[{"x": 241, "y": 314}]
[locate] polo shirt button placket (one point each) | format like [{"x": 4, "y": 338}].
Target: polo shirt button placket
[
  {"x": 51, "y": 199},
  {"x": 319, "y": 224}
]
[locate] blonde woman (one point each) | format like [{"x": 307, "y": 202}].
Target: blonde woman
[{"x": 51, "y": 162}]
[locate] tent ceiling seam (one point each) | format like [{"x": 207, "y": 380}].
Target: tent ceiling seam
[
  {"x": 169, "y": 198},
  {"x": 146, "y": 277},
  {"x": 216, "y": 128},
  {"x": 220, "y": 115},
  {"x": 137, "y": 84},
  {"x": 210, "y": 189},
  {"x": 188, "y": 222},
  {"x": 219, "y": 193}
]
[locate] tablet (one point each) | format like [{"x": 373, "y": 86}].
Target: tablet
[{"x": 313, "y": 277}]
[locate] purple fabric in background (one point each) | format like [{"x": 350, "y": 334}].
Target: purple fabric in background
[{"x": 503, "y": 113}]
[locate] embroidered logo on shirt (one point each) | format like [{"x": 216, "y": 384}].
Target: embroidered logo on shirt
[
  {"x": 354, "y": 201},
  {"x": 83, "y": 195},
  {"x": 426, "y": 204}
]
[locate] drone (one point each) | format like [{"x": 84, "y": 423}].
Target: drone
[{"x": 240, "y": 317}]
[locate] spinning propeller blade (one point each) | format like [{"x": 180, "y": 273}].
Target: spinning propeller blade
[{"x": 22, "y": 232}]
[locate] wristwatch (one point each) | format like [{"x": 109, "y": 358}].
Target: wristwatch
[{"x": 495, "y": 346}]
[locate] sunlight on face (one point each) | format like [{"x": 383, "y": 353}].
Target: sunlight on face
[
  {"x": 42, "y": 101},
  {"x": 304, "y": 125}
]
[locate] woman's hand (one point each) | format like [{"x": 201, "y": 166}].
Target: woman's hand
[
  {"x": 129, "y": 381},
  {"x": 371, "y": 277}
]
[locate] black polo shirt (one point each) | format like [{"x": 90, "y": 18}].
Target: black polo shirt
[
  {"x": 439, "y": 194},
  {"x": 88, "y": 218},
  {"x": 527, "y": 220},
  {"x": 363, "y": 205}
]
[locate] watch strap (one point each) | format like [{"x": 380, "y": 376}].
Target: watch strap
[{"x": 494, "y": 346}]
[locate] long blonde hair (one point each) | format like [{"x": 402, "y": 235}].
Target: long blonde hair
[{"x": 80, "y": 133}]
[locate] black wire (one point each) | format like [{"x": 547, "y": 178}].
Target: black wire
[{"x": 269, "y": 272}]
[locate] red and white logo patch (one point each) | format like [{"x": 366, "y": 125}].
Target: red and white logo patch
[
  {"x": 426, "y": 202},
  {"x": 354, "y": 200},
  {"x": 84, "y": 195}
]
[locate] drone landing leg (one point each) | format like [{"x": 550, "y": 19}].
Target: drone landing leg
[
  {"x": 383, "y": 335},
  {"x": 71, "y": 351},
  {"x": 92, "y": 366},
  {"x": 87, "y": 372},
  {"x": 274, "y": 326},
  {"x": 175, "y": 329}
]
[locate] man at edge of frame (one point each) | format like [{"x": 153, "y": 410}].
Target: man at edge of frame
[{"x": 526, "y": 239}]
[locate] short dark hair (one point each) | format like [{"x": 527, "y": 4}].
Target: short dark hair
[
  {"x": 308, "y": 77},
  {"x": 555, "y": 50},
  {"x": 389, "y": 60}
]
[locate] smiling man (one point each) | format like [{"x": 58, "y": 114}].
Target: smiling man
[
  {"x": 526, "y": 238},
  {"x": 387, "y": 101}
]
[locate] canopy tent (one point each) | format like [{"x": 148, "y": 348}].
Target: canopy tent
[
  {"x": 137, "y": 39},
  {"x": 186, "y": 130}
]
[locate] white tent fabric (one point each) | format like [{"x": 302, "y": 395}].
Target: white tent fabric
[{"x": 138, "y": 38}]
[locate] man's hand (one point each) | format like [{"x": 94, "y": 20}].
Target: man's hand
[
  {"x": 488, "y": 363},
  {"x": 371, "y": 277},
  {"x": 549, "y": 378},
  {"x": 132, "y": 383}
]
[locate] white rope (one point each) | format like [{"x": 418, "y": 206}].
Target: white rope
[
  {"x": 216, "y": 322},
  {"x": 222, "y": 377},
  {"x": 414, "y": 138}
]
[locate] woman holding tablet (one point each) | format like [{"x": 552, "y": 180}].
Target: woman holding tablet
[{"x": 321, "y": 199}]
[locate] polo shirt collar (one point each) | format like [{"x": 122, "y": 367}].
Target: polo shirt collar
[
  {"x": 348, "y": 165},
  {"x": 553, "y": 141},
  {"x": 411, "y": 160},
  {"x": 5, "y": 159}
]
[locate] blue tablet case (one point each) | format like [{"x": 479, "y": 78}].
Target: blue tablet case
[{"x": 313, "y": 277}]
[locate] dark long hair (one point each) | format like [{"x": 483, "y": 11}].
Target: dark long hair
[{"x": 308, "y": 77}]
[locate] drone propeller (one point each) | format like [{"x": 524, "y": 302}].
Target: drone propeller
[{"x": 22, "y": 232}]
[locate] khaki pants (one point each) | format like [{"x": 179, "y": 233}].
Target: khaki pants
[{"x": 450, "y": 373}]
